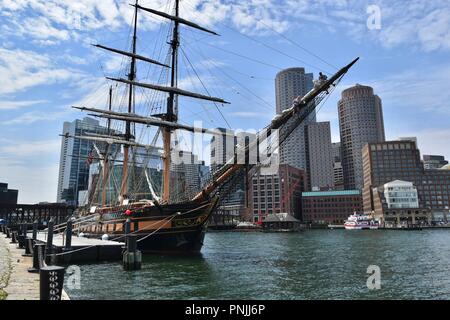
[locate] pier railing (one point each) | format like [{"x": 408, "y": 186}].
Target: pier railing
[{"x": 18, "y": 214}]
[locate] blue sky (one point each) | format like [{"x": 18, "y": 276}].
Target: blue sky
[{"x": 47, "y": 65}]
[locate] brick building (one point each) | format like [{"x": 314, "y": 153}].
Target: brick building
[
  {"x": 400, "y": 160},
  {"x": 277, "y": 192},
  {"x": 325, "y": 207}
]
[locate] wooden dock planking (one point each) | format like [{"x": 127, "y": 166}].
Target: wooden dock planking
[{"x": 83, "y": 249}]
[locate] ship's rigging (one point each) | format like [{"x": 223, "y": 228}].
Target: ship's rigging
[{"x": 167, "y": 122}]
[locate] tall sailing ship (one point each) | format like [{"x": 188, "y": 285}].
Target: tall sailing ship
[{"x": 166, "y": 223}]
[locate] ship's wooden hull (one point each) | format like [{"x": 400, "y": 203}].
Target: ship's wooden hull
[{"x": 168, "y": 229}]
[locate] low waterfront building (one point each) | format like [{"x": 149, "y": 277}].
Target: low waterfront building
[
  {"x": 281, "y": 222},
  {"x": 8, "y": 196},
  {"x": 277, "y": 192},
  {"x": 330, "y": 207},
  {"x": 396, "y": 203},
  {"x": 400, "y": 194},
  {"x": 400, "y": 160}
]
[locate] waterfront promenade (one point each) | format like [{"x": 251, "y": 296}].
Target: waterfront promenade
[{"x": 16, "y": 283}]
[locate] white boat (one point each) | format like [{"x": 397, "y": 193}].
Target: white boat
[
  {"x": 246, "y": 225},
  {"x": 360, "y": 221}
]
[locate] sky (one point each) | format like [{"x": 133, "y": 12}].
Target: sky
[{"x": 47, "y": 64}]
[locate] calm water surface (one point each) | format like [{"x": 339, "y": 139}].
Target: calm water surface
[{"x": 316, "y": 264}]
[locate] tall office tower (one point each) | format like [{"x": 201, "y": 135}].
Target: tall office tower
[
  {"x": 336, "y": 151},
  {"x": 138, "y": 185},
  {"x": 319, "y": 159},
  {"x": 223, "y": 147},
  {"x": 289, "y": 84},
  {"x": 337, "y": 166},
  {"x": 360, "y": 122},
  {"x": 187, "y": 170},
  {"x": 75, "y": 153},
  {"x": 433, "y": 161}
]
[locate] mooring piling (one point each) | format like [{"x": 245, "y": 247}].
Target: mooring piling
[
  {"x": 21, "y": 236},
  {"x": 50, "y": 227},
  {"x": 28, "y": 247},
  {"x": 38, "y": 256},
  {"x": 51, "y": 280},
  {"x": 13, "y": 237},
  {"x": 35, "y": 229},
  {"x": 69, "y": 232},
  {"x": 132, "y": 258}
]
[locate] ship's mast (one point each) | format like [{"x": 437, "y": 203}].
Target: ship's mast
[
  {"x": 172, "y": 108},
  {"x": 131, "y": 78},
  {"x": 105, "y": 161},
  {"x": 168, "y": 121}
]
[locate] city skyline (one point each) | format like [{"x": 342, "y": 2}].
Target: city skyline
[{"x": 407, "y": 70}]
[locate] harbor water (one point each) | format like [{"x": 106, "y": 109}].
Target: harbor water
[{"x": 314, "y": 264}]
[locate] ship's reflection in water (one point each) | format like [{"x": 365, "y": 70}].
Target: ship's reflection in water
[{"x": 309, "y": 265}]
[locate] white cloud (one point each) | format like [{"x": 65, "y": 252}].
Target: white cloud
[
  {"x": 115, "y": 63},
  {"x": 422, "y": 88},
  {"x": 11, "y": 105},
  {"x": 35, "y": 116},
  {"x": 21, "y": 70},
  {"x": 425, "y": 24},
  {"x": 18, "y": 149},
  {"x": 74, "y": 59},
  {"x": 250, "y": 114},
  {"x": 421, "y": 24},
  {"x": 41, "y": 28}
]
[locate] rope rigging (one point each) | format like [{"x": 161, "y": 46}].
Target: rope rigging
[{"x": 149, "y": 102}]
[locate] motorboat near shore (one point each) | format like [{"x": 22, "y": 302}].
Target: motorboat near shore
[{"x": 361, "y": 221}]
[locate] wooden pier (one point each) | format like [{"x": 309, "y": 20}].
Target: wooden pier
[{"x": 81, "y": 249}]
